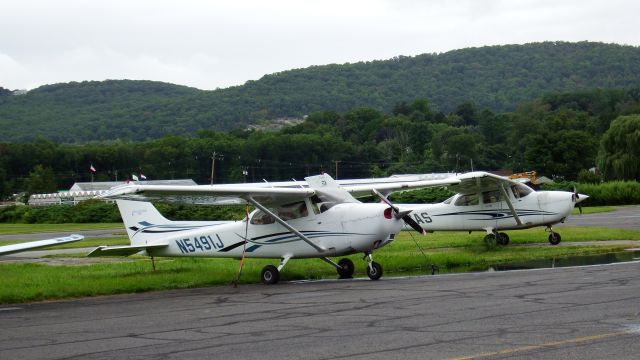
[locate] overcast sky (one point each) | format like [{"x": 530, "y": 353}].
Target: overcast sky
[{"x": 211, "y": 44}]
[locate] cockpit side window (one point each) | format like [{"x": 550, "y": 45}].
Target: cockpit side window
[
  {"x": 262, "y": 218},
  {"x": 285, "y": 212},
  {"x": 468, "y": 200},
  {"x": 293, "y": 211},
  {"x": 520, "y": 191}
]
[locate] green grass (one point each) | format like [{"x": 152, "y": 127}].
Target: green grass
[
  {"x": 450, "y": 251},
  {"x": 11, "y": 229},
  {"x": 593, "y": 210}
]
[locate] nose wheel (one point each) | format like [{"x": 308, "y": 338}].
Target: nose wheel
[
  {"x": 554, "y": 237},
  {"x": 374, "y": 270}
]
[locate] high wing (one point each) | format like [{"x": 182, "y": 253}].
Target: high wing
[
  {"x": 398, "y": 184},
  {"x": 265, "y": 193},
  {"x": 208, "y": 194},
  {"x": 15, "y": 248},
  {"x": 480, "y": 181}
]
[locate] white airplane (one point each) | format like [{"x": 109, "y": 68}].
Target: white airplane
[
  {"x": 15, "y": 248},
  {"x": 491, "y": 203},
  {"x": 321, "y": 220}
]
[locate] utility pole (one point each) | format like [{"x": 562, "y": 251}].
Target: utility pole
[
  {"x": 337, "y": 162},
  {"x": 214, "y": 156}
]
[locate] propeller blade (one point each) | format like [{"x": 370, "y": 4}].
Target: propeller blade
[
  {"x": 401, "y": 214},
  {"x": 576, "y": 199},
  {"x": 409, "y": 221}
]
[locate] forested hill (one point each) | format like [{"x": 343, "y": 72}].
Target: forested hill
[{"x": 496, "y": 77}]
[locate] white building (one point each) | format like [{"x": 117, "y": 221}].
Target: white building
[{"x": 87, "y": 190}]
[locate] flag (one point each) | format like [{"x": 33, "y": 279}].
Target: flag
[
  {"x": 134, "y": 177},
  {"x": 92, "y": 169},
  {"x": 142, "y": 176}
]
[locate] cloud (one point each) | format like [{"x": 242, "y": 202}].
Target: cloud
[{"x": 218, "y": 44}]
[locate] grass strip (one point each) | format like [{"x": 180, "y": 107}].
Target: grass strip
[{"x": 451, "y": 252}]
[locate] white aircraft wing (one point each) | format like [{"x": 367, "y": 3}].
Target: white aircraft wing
[
  {"x": 399, "y": 184},
  {"x": 124, "y": 250},
  {"x": 480, "y": 181},
  {"x": 208, "y": 194},
  {"x": 10, "y": 249}
]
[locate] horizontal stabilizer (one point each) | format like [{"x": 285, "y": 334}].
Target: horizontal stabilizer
[
  {"x": 123, "y": 250},
  {"x": 10, "y": 249}
]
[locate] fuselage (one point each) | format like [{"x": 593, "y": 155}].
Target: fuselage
[
  {"x": 341, "y": 230},
  {"x": 482, "y": 211}
]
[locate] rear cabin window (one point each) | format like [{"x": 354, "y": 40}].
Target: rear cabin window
[
  {"x": 490, "y": 197},
  {"x": 468, "y": 200}
]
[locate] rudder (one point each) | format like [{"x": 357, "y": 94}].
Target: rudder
[{"x": 138, "y": 216}]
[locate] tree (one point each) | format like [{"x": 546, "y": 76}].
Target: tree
[
  {"x": 619, "y": 155},
  {"x": 41, "y": 180}
]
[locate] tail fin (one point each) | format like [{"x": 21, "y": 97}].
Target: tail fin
[
  {"x": 139, "y": 219},
  {"x": 328, "y": 190}
]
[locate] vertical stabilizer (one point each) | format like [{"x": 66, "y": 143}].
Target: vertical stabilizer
[
  {"x": 139, "y": 219},
  {"x": 329, "y": 190}
]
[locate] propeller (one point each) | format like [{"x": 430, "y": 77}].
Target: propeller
[
  {"x": 404, "y": 215},
  {"x": 576, "y": 199}
]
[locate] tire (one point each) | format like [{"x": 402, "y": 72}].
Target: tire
[
  {"x": 270, "y": 275},
  {"x": 490, "y": 240},
  {"x": 554, "y": 238},
  {"x": 503, "y": 239},
  {"x": 374, "y": 271},
  {"x": 346, "y": 268}
]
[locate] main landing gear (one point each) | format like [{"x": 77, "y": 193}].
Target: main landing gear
[
  {"x": 496, "y": 238},
  {"x": 345, "y": 268}
]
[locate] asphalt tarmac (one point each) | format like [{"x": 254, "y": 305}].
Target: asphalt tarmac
[
  {"x": 568, "y": 313},
  {"x": 624, "y": 217}
]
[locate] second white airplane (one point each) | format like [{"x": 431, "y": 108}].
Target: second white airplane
[{"x": 491, "y": 203}]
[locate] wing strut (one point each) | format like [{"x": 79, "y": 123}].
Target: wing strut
[
  {"x": 510, "y": 205},
  {"x": 284, "y": 223}
]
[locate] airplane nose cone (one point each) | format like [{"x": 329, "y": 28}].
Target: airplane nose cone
[{"x": 581, "y": 198}]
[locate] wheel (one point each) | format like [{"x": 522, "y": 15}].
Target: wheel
[
  {"x": 503, "y": 239},
  {"x": 270, "y": 275},
  {"x": 374, "y": 271},
  {"x": 554, "y": 238},
  {"x": 346, "y": 268},
  {"x": 490, "y": 239}
]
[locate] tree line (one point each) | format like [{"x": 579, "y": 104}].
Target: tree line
[
  {"x": 560, "y": 136},
  {"x": 497, "y": 78}
]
